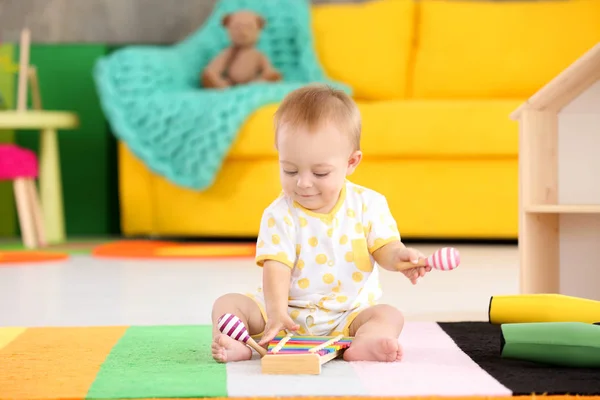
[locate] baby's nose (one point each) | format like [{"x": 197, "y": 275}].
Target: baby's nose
[{"x": 304, "y": 183}]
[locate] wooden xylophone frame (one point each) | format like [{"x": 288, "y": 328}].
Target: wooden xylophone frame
[{"x": 305, "y": 358}]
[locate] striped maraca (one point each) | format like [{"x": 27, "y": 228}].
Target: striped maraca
[
  {"x": 233, "y": 327},
  {"x": 444, "y": 259}
]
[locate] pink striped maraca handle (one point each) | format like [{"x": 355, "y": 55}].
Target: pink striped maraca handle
[
  {"x": 233, "y": 327},
  {"x": 445, "y": 259}
]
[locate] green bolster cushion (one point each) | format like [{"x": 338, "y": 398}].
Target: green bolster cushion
[{"x": 569, "y": 344}]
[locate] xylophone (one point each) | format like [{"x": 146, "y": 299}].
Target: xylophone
[
  {"x": 288, "y": 354},
  {"x": 292, "y": 354},
  {"x": 444, "y": 259}
]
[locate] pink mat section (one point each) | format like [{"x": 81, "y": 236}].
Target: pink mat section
[{"x": 429, "y": 352}]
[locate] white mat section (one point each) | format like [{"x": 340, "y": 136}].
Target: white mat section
[
  {"x": 432, "y": 365},
  {"x": 337, "y": 378}
]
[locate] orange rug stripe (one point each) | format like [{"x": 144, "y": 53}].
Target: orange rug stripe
[
  {"x": 7, "y": 335},
  {"x": 129, "y": 248},
  {"x": 25, "y": 256},
  {"x": 53, "y": 363},
  {"x": 207, "y": 250},
  {"x": 173, "y": 250}
]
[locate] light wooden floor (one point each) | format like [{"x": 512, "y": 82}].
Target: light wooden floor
[{"x": 88, "y": 291}]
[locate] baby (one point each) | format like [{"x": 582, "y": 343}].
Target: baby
[{"x": 320, "y": 240}]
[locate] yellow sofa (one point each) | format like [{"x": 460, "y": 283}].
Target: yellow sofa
[{"x": 435, "y": 81}]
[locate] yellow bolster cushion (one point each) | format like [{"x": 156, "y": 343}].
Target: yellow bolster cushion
[
  {"x": 487, "y": 49},
  {"x": 366, "y": 45}
]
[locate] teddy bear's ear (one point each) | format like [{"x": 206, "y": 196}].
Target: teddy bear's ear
[
  {"x": 260, "y": 21},
  {"x": 225, "y": 19}
]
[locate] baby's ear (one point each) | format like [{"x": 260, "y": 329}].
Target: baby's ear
[
  {"x": 353, "y": 161},
  {"x": 225, "y": 20},
  {"x": 260, "y": 21}
]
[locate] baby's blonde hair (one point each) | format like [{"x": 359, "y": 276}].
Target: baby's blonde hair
[{"x": 311, "y": 106}]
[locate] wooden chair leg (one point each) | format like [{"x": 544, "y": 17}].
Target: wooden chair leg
[
  {"x": 36, "y": 210},
  {"x": 24, "y": 211}
]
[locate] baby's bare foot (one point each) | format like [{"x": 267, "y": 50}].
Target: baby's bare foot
[
  {"x": 226, "y": 349},
  {"x": 374, "y": 349}
]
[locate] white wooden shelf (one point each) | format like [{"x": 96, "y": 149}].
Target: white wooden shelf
[{"x": 563, "y": 209}]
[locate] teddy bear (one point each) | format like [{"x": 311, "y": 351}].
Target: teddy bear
[{"x": 241, "y": 62}]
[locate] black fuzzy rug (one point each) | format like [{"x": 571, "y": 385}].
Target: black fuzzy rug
[{"x": 481, "y": 342}]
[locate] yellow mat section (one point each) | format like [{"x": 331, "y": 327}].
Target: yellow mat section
[{"x": 7, "y": 335}]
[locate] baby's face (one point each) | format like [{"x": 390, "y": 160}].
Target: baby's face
[{"x": 314, "y": 165}]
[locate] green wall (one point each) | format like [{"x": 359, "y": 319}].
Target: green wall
[{"x": 88, "y": 154}]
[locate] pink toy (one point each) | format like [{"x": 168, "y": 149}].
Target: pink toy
[
  {"x": 16, "y": 162},
  {"x": 233, "y": 327},
  {"x": 21, "y": 166},
  {"x": 444, "y": 259}
]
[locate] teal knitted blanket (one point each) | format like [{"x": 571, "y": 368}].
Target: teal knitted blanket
[{"x": 153, "y": 101}]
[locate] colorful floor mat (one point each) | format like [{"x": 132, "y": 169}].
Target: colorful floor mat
[
  {"x": 13, "y": 257},
  {"x": 166, "y": 249},
  {"x": 140, "y": 362}
]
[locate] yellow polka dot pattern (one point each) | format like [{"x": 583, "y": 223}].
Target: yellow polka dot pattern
[
  {"x": 321, "y": 259},
  {"x": 358, "y": 227},
  {"x": 313, "y": 241},
  {"x": 372, "y": 299},
  {"x": 303, "y": 283},
  {"x": 328, "y": 279},
  {"x": 276, "y": 239}
]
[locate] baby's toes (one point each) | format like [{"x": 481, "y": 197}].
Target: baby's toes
[{"x": 218, "y": 354}]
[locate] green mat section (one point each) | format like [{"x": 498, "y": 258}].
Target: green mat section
[{"x": 144, "y": 364}]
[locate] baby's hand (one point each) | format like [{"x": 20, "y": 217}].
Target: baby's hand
[
  {"x": 275, "y": 325},
  {"x": 416, "y": 257}
]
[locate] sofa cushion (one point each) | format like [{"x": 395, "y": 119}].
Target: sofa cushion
[
  {"x": 440, "y": 128},
  {"x": 470, "y": 49},
  {"x": 367, "y": 45},
  {"x": 409, "y": 128}
]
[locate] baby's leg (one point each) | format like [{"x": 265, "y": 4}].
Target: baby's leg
[
  {"x": 376, "y": 330},
  {"x": 224, "y": 348}
]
